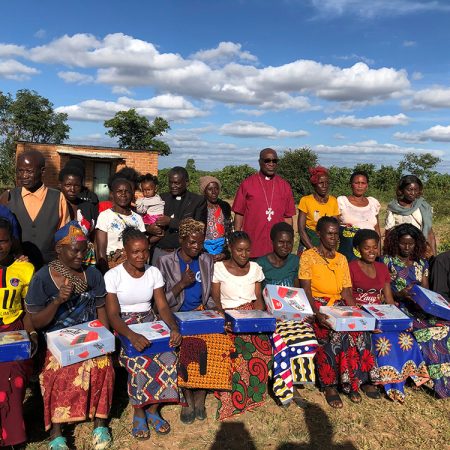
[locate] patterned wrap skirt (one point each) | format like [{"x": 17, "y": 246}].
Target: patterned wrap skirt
[
  {"x": 76, "y": 392},
  {"x": 151, "y": 379},
  {"x": 251, "y": 363},
  {"x": 398, "y": 358},
  {"x": 343, "y": 358},
  {"x": 294, "y": 346},
  {"x": 14, "y": 378}
]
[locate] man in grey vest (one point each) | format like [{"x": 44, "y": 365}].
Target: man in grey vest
[{"x": 40, "y": 210}]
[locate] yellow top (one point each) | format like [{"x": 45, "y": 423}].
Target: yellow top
[
  {"x": 14, "y": 282},
  {"x": 328, "y": 277},
  {"x": 315, "y": 210}
]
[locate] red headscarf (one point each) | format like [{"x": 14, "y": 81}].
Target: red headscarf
[{"x": 316, "y": 173}]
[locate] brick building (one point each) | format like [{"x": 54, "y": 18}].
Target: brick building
[{"x": 100, "y": 162}]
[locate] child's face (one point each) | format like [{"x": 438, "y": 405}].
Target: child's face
[{"x": 148, "y": 189}]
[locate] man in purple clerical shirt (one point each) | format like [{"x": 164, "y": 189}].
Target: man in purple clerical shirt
[{"x": 262, "y": 200}]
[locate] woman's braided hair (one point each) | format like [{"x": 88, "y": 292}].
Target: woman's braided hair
[
  {"x": 190, "y": 226},
  {"x": 132, "y": 234}
]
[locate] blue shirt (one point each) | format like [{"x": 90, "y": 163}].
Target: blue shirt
[{"x": 193, "y": 293}]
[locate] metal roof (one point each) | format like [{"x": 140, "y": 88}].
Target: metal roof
[{"x": 82, "y": 154}]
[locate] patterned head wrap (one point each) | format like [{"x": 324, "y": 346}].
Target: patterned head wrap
[
  {"x": 70, "y": 233},
  {"x": 316, "y": 173}
]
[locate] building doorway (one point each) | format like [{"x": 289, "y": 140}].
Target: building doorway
[{"x": 102, "y": 171}]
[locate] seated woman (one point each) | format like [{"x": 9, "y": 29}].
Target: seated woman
[
  {"x": 404, "y": 250},
  {"x": 60, "y": 295},
  {"x": 112, "y": 222},
  {"x": 343, "y": 359},
  {"x": 410, "y": 207},
  {"x": 219, "y": 218},
  {"x": 188, "y": 275},
  {"x": 237, "y": 285},
  {"x": 397, "y": 354},
  {"x": 281, "y": 268},
  {"x": 356, "y": 212},
  {"x": 313, "y": 207},
  {"x": 134, "y": 290},
  {"x": 14, "y": 375}
]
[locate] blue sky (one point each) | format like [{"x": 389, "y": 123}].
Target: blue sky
[{"x": 355, "y": 80}]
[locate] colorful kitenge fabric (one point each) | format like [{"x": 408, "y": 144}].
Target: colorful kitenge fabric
[
  {"x": 344, "y": 358},
  {"x": 431, "y": 333},
  {"x": 250, "y": 366},
  {"x": 346, "y": 235},
  {"x": 13, "y": 383},
  {"x": 398, "y": 358},
  {"x": 76, "y": 392},
  {"x": 204, "y": 362},
  {"x": 215, "y": 225},
  {"x": 294, "y": 347},
  {"x": 151, "y": 379}
]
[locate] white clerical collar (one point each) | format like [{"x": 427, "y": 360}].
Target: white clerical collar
[{"x": 178, "y": 197}]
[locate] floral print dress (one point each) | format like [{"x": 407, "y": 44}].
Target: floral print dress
[{"x": 431, "y": 333}]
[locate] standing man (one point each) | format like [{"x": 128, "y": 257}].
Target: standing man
[
  {"x": 179, "y": 204},
  {"x": 40, "y": 210},
  {"x": 262, "y": 200}
]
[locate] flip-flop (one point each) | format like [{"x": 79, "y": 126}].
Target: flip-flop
[
  {"x": 372, "y": 394},
  {"x": 101, "y": 439},
  {"x": 140, "y": 427},
  {"x": 157, "y": 422},
  {"x": 334, "y": 400},
  {"x": 58, "y": 443},
  {"x": 355, "y": 397}
]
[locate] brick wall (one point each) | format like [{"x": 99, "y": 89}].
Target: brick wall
[{"x": 141, "y": 160}]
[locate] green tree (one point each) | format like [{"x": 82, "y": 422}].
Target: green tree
[
  {"x": 28, "y": 117},
  {"x": 136, "y": 132},
  {"x": 231, "y": 177},
  {"x": 421, "y": 164},
  {"x": 293, "y": 167},
  {"x": 369, "y": 168},
  {"x": 340, "y": 180}
]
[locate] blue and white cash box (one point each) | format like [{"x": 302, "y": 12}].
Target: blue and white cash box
[
  {"x": 389, "y": 317},
  {"x": 431, "y": 302},
  {"x": 250, "y": 321},
  {"x": 14, "y": 346},
  {"x": 192, "y": 323},
  {"x": 158, "y": 333}
]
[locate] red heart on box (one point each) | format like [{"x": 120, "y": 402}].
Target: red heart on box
[
  {"x": 352, "y": 325},
  {"x": 95, "y": 324},
  {"x": 277, "y": 304},
  {"x": 282, "y": 291},
  {"x": 83, "y": 354}
]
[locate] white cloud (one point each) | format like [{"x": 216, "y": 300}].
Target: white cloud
[
  {"x": 7, "y": 50},
  {"x": 367, "y": 122},
  {"x": 371, "y": 147},
  {"x": 438, "y": 133},
  {"x": 417, "y": 76},
  {"x": 244, "y": 129},
  {"x": 40, "y": 34},
  {"x": 76, "y": 77},
  {"x": 376, "y": 8},
  {"x": 223, "y": 53},
  {"x": 434, "y": 97},
  {"x": 169, "y": 106},
  {"x": 121, "y": 90},
  {"x": 355, "y": 57},
  {"x": 15, "y": 70},
  {"x": 409, "y": 43},
  {"x": 123, "y": 61}
]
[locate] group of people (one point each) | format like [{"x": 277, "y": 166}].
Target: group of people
[{"x": 67, "y": 258}]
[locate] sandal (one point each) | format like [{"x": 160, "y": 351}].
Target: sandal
[
  {"x": 58, "y": 443},
  {"x": 371, "y": 391},
  {"x": 140, "y": 429},
  {"x": 157, "y": 422},
  {"x": 101, "y": 439},
  {"x": 355, "y": 397},
  {"x": 334, "y": 400}
]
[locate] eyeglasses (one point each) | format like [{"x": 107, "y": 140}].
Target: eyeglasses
[{"x": 269, "y": 160}]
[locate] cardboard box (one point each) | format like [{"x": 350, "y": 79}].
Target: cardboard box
[
  {"x": 431, "y": 302},
  {"x": 287, "y": 303},
  {"x": 157, "y": 332},
  {"x": 388, "y": 317},
  {"x": 14, "y": 346},
  {"x": 250, "y": 321},
  {"x": 348, "y": 318},
  {"x": 80, "y": 342},
  {"x": 192, "y": 323}
]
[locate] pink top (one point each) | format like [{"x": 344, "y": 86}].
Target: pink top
[
  {"x": 359, "y": 216},
  {"x": 365, "y": 289},
  {"x": 255, "y": 196}
]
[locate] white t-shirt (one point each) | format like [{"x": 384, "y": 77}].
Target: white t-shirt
[
  {"x": 134, "y": 294},
  {"x": 364, "y": 217},
  {"x": 114, "y": 223},
  {"x": 237, "y": 290}
]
